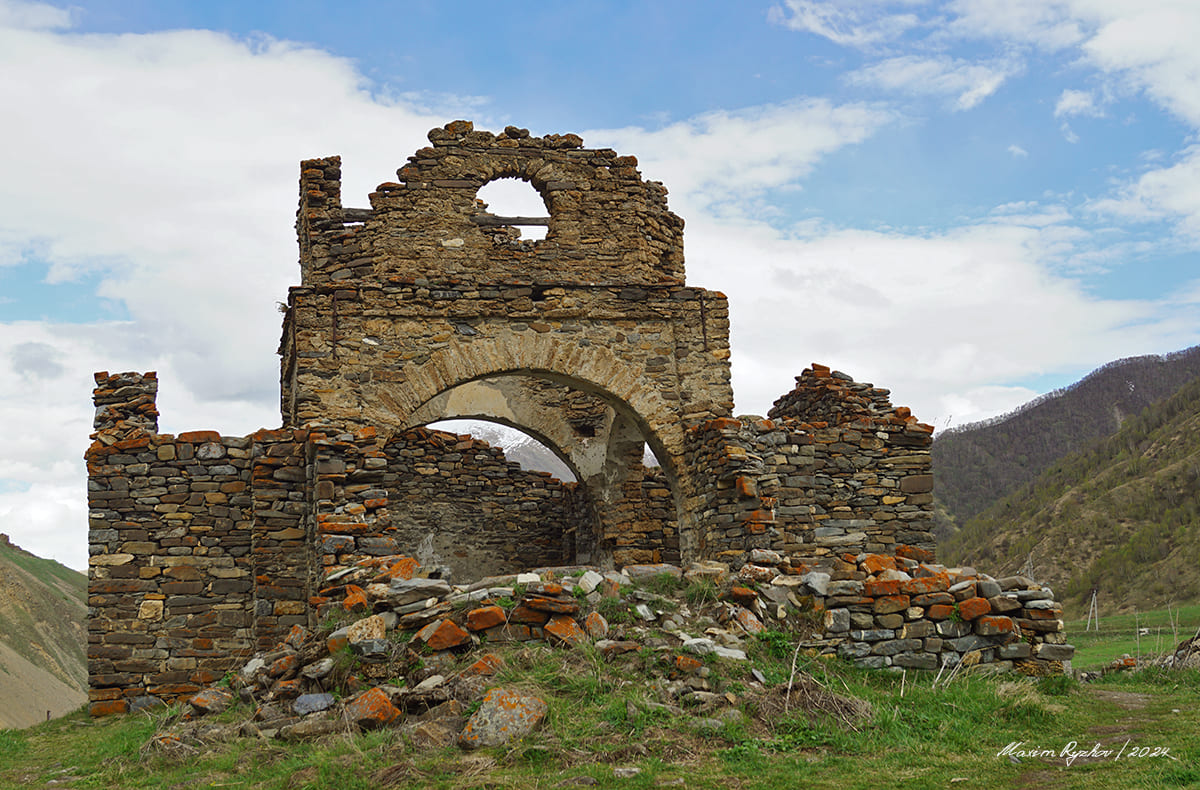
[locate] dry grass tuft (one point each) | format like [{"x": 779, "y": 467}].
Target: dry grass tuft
[{"x": 806, "y": 695}]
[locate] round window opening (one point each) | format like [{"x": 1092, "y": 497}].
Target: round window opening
[{"x": 520, "y": 206}]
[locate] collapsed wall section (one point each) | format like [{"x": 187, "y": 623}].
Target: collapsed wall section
[{"x": 836, "y": 469}]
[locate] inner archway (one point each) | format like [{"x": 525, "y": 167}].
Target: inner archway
[{"x": 631, "y": 503}]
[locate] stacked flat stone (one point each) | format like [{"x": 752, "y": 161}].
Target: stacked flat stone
[
  {"x": 201, "y": 545},
  {"x": 854, "y": 474},
  {"x": 905, "y": 611}
]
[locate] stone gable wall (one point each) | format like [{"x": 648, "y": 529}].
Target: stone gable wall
[{"x": 606, "y": 225}]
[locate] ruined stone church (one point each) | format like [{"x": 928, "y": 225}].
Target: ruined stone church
[{"x": 425, "y": 307}]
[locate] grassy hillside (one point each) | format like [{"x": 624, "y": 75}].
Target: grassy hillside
[
  {"x": 43, "y": 633},
  {"x": 977, "y": 465},
  {"x": 602, "y": 730},
  {"x": 1123, "y": 517}
]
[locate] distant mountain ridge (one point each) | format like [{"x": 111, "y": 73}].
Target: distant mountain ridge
[
  {"x": 978, "y": 464},
  {"x": 1121, "y": 518},
  {"x": 43, "y": 637}
]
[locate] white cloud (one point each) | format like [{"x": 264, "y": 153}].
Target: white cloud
[
  {"x": 851, "y": 23},
  {"x": 1073, "y": 102},
  {"x": 167, "y": 163},
  {"x": 942, "y": 319},
  {"x": 1017, "y": 151},
  {"x": 966, "y": 83},
  {"x": 1068, "y": 133},
  {"x": 1045, "y": 23},
  {"x": 1169, "y": 193},
  {"x": 33, "y": 16},
  {"x": 1153, "y": 44},
  {"x": 722, "y": 156}
]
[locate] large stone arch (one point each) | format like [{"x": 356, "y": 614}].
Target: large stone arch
[{"x": 419, "y": 295}]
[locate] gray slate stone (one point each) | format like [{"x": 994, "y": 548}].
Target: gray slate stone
[{"x": 312, "y": 703}]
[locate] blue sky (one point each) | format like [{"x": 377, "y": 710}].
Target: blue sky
[{"x": 970, "y": 202}]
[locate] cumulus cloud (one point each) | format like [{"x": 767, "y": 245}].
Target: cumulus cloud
[
  {"x": 1049, "y": 24},
  {"x": 33, "y": 16},
  {"x": 718, "y": 157},
  {"x": 966, "y": 83},
  {"x": 942, "y": 318}
]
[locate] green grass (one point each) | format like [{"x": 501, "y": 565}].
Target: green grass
[
  {"x": 1118, "y": 635},
  {"x": 603, "y": 714}
]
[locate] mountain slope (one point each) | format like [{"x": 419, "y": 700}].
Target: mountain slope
[
  {"x": 976, "y": 465},
  {"x": 43, "y": 637},
  {"x": 1122, "y": 517}
]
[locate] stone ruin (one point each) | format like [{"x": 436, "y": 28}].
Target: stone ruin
[{"x": 205, "y": 548}]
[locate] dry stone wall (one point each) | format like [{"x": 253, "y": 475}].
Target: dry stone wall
[
  {"x": 170, "y": 570},
  {"x": 835, "y": 468},
  {"x": 454, "y": 500},
  {"x": 903, "y": 610},
  {"x": 205, "y": 548}
]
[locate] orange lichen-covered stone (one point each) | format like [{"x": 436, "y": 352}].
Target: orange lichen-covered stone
[
  {"x": 286, "y": 689},
  {"x": 1043, "y": 614},
  {"x": 371, "y": 710},
  {"x": 485, "y": 617},
  {"x": 356, "y": 599},
  {"x": 108, "y": 707},
  {"x": 881, "y": 588},
  {"x": 929, "y": 599},
  {"x": 442, "y": 635},
  {"x": 926, "y": 584},
  {"x": 484, "y": 667},
  {"x": 915, "y": 553},
  {"x": 688, "y": 665},
  {"x": 887, "y": 604},
  {"x": 748, "y": 621},
  {"x": 595, "y": 625},
  {"x": 939, "y": 611},
  {"x": 974, "y": 607},
  {"x": 874, "y": 563},
  {"x": 563, "y": 629},
  {"x": 992, "y": 625},
  {"x": 297, "y": 637},
  {"x": 503, "y": 716},
  {"x": 284, "y": 666},
  {"x": 524, "y": 614},
  {"x": 743, "y": 595}
]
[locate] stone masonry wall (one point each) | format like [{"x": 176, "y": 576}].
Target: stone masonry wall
[
  {"x": 905, "y": 611},
  {"x": 436, "y": 494},
  {"x": 605, "y": 223},
  {"x": 855, "y": 475},
  {"x": 170, "y": 577},
  {"x": 205, "y": 548}
]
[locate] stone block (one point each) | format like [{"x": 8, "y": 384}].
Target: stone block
[
  {"x": 915, "y": 660},
  {"x": 1048, "y": 652},
  {"x": 837, "y": 620}
]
